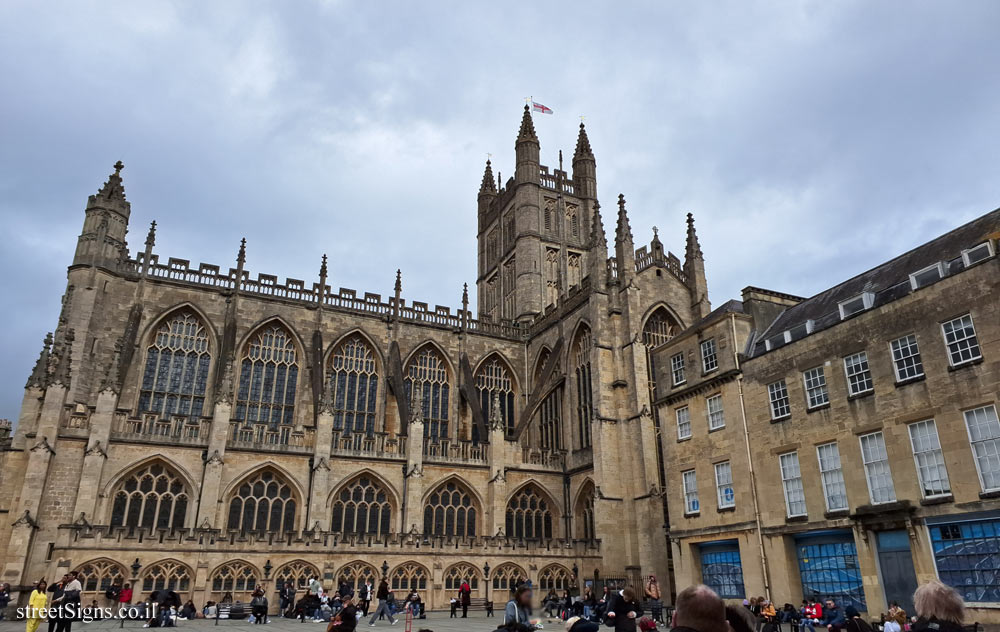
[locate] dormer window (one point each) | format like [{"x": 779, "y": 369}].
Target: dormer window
[
  {"x": 978, "y": 253},
  {"x": 930, "y": 274},
  {"x": 859, "y": 303}
]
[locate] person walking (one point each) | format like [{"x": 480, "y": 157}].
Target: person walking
[
  {"x": 382, "y": 594},
  {"x": 36, "y": 602},
  {"x": 465, "y": 596},
  {"x": 625, "y": 611},
  {"x": 939, "y": 608}
]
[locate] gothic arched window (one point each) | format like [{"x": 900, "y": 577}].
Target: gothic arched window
[
  {"x": 659, "y": 328},
  {"x": 550, "y": 410},
  {"x": 354, "y": 385},
  {"x": 268, "y": 375},
  {"x": 237, "y": 578},
  {"x": 264, "y": 502},
  {"x": 362, "y": 506},
  {"x": 99, "y": 575},
  {"x": 166, "y": 575},
  {"x": 409, "y": 576},
  {"x": 153, "y": 496},
  {"x": 493, "y": 378},
  {"x": 584, "y": 389},
  {"x": 454, "y": 576},
  {"x": 296, "y": 574},
  {"x": 176, "y": 373},
  {"x": 450, "y": 511},
  {"x": 507, "y": 577},
  {"x": 430, "y": 372},
  {"x": 584, "y": 514},
  {"x": 554, "y": 577},
  {"x": 356, "y": 573},
  {"x": 529, "y": 515}
]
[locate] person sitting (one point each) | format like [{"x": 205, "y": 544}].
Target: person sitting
[
  {"x": 347, "y": 619},
  {"x": 740, "y": 618},
  {"x": 853, "y": 621},
  {"x": 210, "y": 610},
  {"x": 518, "y": 609},
  {"x": 833, "y": 618},
  {"x": 188, "y": 611}
]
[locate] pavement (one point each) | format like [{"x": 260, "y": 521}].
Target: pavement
[{"x": 435, "y": 622}]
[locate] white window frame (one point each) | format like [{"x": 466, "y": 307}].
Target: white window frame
[
  {"x": 866, "y": 373},
  {"x": 985, "y": 447},
  {"x": 718, "y": 415},
  {"x": 915, "y": 285},
  {"x": 874, "y": 466},
  {"x": 831, "y": 474},
  {"x": 896, "y": 360},
  {"x": 867, "y": 300},
  {"x": 965, "y": 253},
  {"x": 677, "y": 369},
  {"x": 689, "y": 485},
  {"x": 772, "y": 388},
  {"x": 928, "y": 457},
  {"x": 791, "y": 483},
  {"x": 726, "y": 481},
  {"x": 974, "y": 337},
  {"x": 818, "y": 388},
  {"x": 684, "y": 412},
  {"x": 709, "y": 352}
]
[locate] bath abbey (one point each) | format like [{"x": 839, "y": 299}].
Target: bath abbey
[{"x": 212, "y": 429}]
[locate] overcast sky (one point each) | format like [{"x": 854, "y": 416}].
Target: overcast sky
[{"x": 812, "y": 140}]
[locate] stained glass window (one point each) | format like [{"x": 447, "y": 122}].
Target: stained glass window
[
  {"x": 296, "y": 573},
  {"x": 493, "y": 378},
  {"x": 268, "y": 375},
  {"x": 450, "y": 511},
  {"x": 167, "y": 575},
  {"x": 356, "y": 574},
  {"x": 362, "y": 506},
  {"x": 454, "y": 576},
  {"x": 429, "y": 371},
  {"x": 554, "y": 577},
  {"x": 99, "y": 575},
  {"x": 584, "y": 514},
  {"x": 176, "y": 372},
  {"x": 529, "y": 515},
  {"x": 828, "y": 567},
  {"x": 507, "y": 577},
  {"x": 153, "y": 496},
  {"x": 967, "y": 555},
  {"x": 722, "y": 569},
  {"x": 236, "y": 578},
  {"x": 354, "y": 384},
  {"x": 264, "y": 502},
  {"x": 409, "y": 577}
]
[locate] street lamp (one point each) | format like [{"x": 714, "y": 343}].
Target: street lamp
[
  {"x": 385, "y": 569},
  {"x": 135, "y": 568},
  {"x": 576, "y": 576},
  {"x": 267, "y": 569}
]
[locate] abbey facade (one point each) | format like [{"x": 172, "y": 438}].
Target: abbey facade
[{"x": 212, "y": 430}]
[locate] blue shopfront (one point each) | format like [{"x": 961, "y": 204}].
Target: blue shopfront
[
  {"x": 967, "y": 554},
  {"x": 722, "y": 568},
  {"x": 829, "y": 569}
]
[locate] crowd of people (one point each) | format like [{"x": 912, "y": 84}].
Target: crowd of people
[{"x": 938, "y": 608}]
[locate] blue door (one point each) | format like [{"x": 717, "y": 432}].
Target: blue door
[{"x": 896, "y": 563}]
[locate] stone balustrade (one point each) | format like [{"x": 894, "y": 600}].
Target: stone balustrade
[{"x": 151, "y": 428}]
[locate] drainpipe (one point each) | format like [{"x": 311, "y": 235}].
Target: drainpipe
[{"x": 753, "y": 477}]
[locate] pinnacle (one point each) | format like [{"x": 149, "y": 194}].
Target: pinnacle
[
  {"x": 623, "y": 231},
  {"x": 488, "y": 186},
  {"x": 693, "y": 248},
  {"x": 151, "y": 235},
  {"x": 597, "y": 235},
  {"x": 583, "y": 149},
  {"x": 113, "y": 189},
  {"x": 527, "y": 131}
]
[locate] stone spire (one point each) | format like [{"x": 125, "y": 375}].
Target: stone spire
[
  {"x": 322, "y": 273},
  {"x": 598, "y": 240},
  {"x": 598, "y": 256},
  {"x": 40, "y": 374},
  {"x": 397, "y": 291},
  {"x": 693, "y": 249},
  {"x": 151, "y": 235},
  {"x": 241, "y": 256},
  {"x": 465, "y": 305},
  {"x": 583, "y": 149},
  {"x": 113, "y": 189},
  {"x": 624, "y": 248},
  {"x": 488, "y": 186},
  {"x": 527, "y": 131}
]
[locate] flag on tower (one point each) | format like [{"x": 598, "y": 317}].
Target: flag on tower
[{"x": 538, "y": 107}]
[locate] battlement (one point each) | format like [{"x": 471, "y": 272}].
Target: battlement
[
  {"x": 296, "y": 290},
  {"x": 555, "y": 181}
]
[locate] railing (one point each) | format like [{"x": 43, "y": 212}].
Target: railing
[
  {"x": 646, "y": 259},
  {"x": 556, "y": 180},
  {"x": 282, "y": 438},
  {"x": 364, "y": 444},
  {"x": 150, "y": 427},
  {"x": 208, "y": 275},
  {"x": 543, "y": 459},
  {"x": 445, "y": 451}
]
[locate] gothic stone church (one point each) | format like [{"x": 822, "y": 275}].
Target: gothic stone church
[{"x": 211, "y": 429}]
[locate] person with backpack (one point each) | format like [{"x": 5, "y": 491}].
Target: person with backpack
[{"x": 258, "y": 606}]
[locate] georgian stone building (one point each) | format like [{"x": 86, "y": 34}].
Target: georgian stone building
[
  {"x": 211, "y": 430},
  {"x": 846, "y": 445}
]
